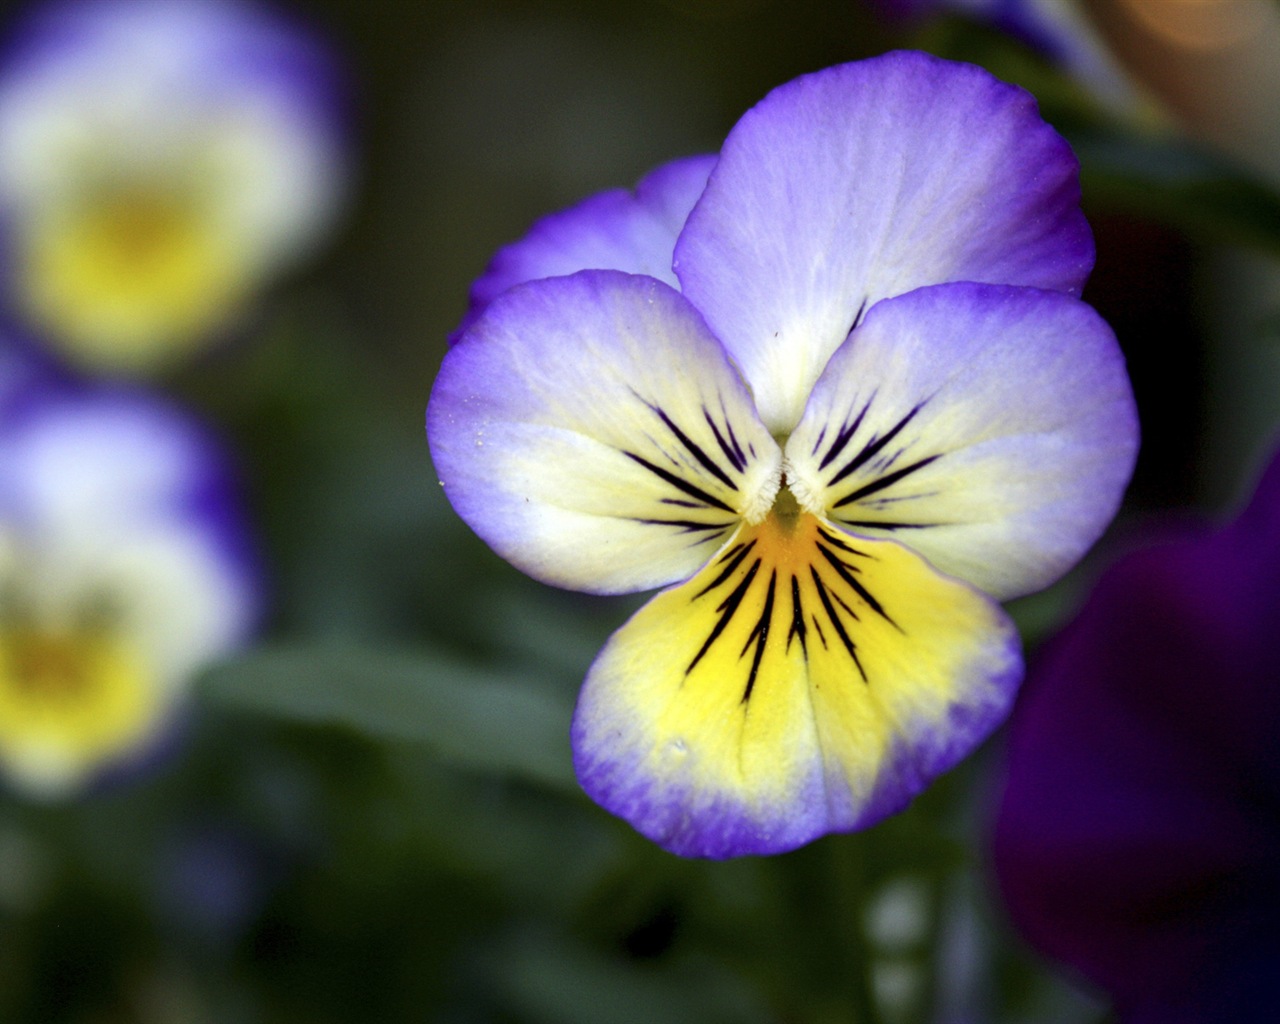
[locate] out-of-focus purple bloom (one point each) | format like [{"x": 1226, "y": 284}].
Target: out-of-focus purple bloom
[
  {"x": 1138, "y": 840},
  {"x": 1059, "y": 30},
  {"x": 1027, "y": 20},
  {"x": 124, "y": 569},
  {"x": 158, "y": 160},
  {"x": 211, "y": 881}
]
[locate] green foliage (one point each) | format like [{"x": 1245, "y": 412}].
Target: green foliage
[{"x": 462, "y": 714}]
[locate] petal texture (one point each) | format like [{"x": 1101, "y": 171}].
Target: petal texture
[
  {"x": 802, "y": 683},
  {"x": 595, "y": 434},
  {"x": 991, "y": 429},
  {"x": 865, "y": 181},
  {"x": 634, "y": 232}
]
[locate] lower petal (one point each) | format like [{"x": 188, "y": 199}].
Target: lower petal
[{"x": 802, "y": 683}]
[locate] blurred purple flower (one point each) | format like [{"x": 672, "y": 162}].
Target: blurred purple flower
[
  {"x": 124, "y": 569},
  {"x": 1059, "y": 30},
  {"x": 1139, "y": 836},
  {"x": 1035, "y": 23},
  {"x": 159, "y": 159},
  {"x": 211, "y": 881}
]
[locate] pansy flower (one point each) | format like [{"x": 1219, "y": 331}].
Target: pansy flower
[
  {"x": 124, "y": 568},
  {"x": 872, "y": 409},
  {"x": 158, "y": 160},
  {"x": 1138, "y": 837}
]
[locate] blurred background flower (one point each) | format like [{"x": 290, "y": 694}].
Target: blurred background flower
[
  {"x": 124, "y": 568},
  {"x": 1138, "y": 839},
  {"x": 159, "y": 159}
]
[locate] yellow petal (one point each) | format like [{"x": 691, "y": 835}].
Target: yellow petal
[
  {"x": 129, "y": 280},
  {"x": 804, "y": 682},
  {"x": 68, "y": 703}
]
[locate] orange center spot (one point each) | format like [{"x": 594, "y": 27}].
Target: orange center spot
[{"x": 43, "y": 666}]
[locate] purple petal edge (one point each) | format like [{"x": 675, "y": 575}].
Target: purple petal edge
[
  {"x": 680, "y": 822},
  {"x": 619, "y": 229}
]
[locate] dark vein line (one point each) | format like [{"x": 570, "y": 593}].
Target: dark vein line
[
  {"x": 845, "y": 605},
  {"x": 856, "y": 585},
  {"x": 873, "y": 524},
  {"x": 706, "y": 461},
  {"x": 834, "y": 618},
  {"x": 885, "y": 481},
  {"x": 686, "y": 525},
  {"x": 733, "y": 551},
  {"x": 727, "y": 608},
  {"x": 680, "y": 484},
  {"x": 798, "y": 629},
  {"x": 842, "y": 544},
  {"x": 843, "y": 437},
  {"x": 735, "y": 458},
  {"x": 742, "y": 552},
  {"x": 760, "y": 636},
  {"x": 874, "y": 447},
  {"x": 733, "y": 438}
]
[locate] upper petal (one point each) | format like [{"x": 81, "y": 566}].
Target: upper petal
[
  {"x": 595, "y": 434},
  {"x": 991, "y": 429},
  {"x": 865, "y": 181},
  {"x": 615, "y": 230}
]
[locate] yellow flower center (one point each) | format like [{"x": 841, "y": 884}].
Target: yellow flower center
[
  {"x": 69, "y": 699},
  {"x": 128, "y": 276}
]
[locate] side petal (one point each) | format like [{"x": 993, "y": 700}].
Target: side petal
[
  {"x": 800, "y": 684},
  {"x": 595, "y": 434},
  {"x": 865, "y": 181},
  {"x": 634, "y": 232},
  {"x": 991, "y": 429}
]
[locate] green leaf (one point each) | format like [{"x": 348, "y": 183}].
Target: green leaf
[
  {"x": 492, "y": 721},
  {"x": 1187, "y": 187}
]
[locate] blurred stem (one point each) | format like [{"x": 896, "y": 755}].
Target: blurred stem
[
  {"x": 937, "y": 889},
  {"x": 848, "y": 924},
  {"x": 831, "y": 982}
]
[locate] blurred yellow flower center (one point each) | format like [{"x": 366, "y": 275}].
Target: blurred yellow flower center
[
  {"x": 69, "y": 699},
  {"x": 128, "y": 277}
]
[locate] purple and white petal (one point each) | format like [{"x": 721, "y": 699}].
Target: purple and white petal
[
  {"x": 596, "y": 435},
  {"x": 90, "y": 471},
  {"x": 103, "y": 459},
  {"x": 866, "y": 181},
  {"x": 992, "y": 429},
  {"x": 634, "y": 232}
]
